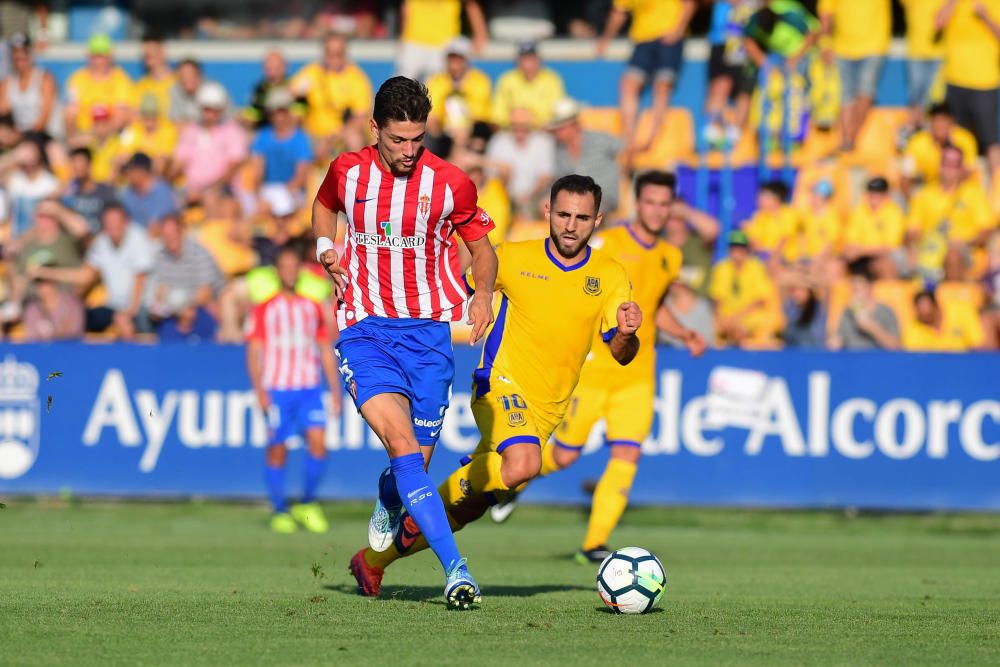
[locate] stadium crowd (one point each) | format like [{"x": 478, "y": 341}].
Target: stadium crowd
[{"x": 153, "y": 209}]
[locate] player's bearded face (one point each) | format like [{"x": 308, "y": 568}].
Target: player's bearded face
[
  {"x": 572, "y": 220},
  {"x": 399, "y": 144}
]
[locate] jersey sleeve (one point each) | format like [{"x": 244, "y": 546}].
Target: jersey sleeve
[
  {"x": 330, "y": 194},
  {"x": 619, "y": 292},
  {"x": 254, "y": 329},
  {"x": 471, "y": 222}
]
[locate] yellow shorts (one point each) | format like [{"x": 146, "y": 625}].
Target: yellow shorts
[
  {"x": 505, "y": 418},
  {"x": 628, "y": 411}
]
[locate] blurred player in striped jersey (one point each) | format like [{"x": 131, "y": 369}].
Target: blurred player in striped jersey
[
  {"x": 288, "y": 346},
  {"x": 400, "y": 284}
]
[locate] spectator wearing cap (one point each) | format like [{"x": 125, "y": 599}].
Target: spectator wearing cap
[
  {"x": 953, "y": 211},
  {"x": 209, "y": 152},
  {"x": 529, "y": 86},
  {"x": 29, "y": 92},
  {"x": 184, "y": 107},
  {"x": 53, "y": 313},
  {"x": 338, "y": 97},
  {"x": 747, "y": 306},
  {"x": 866, "y": 323},
  {"x": 695, "y": 233},
  {"x": 657, "y": 32},
  {"x": 98, "y": 83},
  {"x": 860, "y": 31},
  {"x": 971, "y": 36},
  {"x": 461, "y": 93},
  {"x": 183, "y": 284},
  {"x": 523, "y": 157},
  {"x": 157, "y": 79},
  {"x": 280, "y": 154},
  {"x": 146, "y": 197},
  {"x": 922, "y": 155},
  {"x": 104, "y": 141},
  {"x": 953, "y": 327},
  {"x": 580, "y": 151},
  {"x": 275, "y": 76},
  {"x": 820, "y": 224},
  {"x": 774, "y": 223},
  {"x": 84, "y": 195},
  {"x": 121, "y": 257},
  {"x": 428, "y": 26},
  {"x": 27, "y": 181},
  {"x": 876, "y": 226},
  {"x": 152, "y": 133}
]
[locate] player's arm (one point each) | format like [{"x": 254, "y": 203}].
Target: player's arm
[
  {"x": 332, "y": 377},
  {"x": 668, "y": 324},
  {"x": 616, "y": 21},
  {"x": 624, "y": 344},
  {"x": 484, "y": 276},
  {"x": 324, "y": 226},
  {"x": 688, "y": 8},
  {"x": 477, "y": 22},
  {"x": 255, "y": 373}
]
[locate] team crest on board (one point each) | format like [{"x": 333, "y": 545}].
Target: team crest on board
[
  {"x": 592, "y": 286},
  {"x": 515, "y": 419},
  {"x": 424, "y": 205}
]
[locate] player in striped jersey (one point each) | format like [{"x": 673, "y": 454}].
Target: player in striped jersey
[
  {"x": 399, "y": 284},
  {"x": 287, "y": 346}
]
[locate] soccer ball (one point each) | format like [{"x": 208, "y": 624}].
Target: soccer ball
[{"x": 631, "y": 581}]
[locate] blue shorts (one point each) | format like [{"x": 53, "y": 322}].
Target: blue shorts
[
  {"x": 401, "y": 356},
  {"x": 656, "y": 60},
  {"x": 859, "y": 77},
  {"x": 293, "y": 412}
]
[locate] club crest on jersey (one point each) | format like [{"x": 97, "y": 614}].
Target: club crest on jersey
[
  {"x": 465, "y": 487},
  {"x": 352, "y": 388},
  {"x": 516, "y": 419},
  {"x": 592, "y": 286},
  {"x": 424, "y": 205}
]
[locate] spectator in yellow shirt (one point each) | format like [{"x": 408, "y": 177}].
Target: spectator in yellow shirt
[
  {"x": 922, "y": 155},
  {"x": 819, "y": 226},
  {"x": 954, "y": 210},
  {"x": 151, "y": 133},
  {"x": 99, "y": 82},
  {"x": 774, "y": 222},
  {"x": 429, "y": 26},
  {"x": 657, "y": 32},
  {"x": 956, "y": 328},
  {"x": 876, "y": 226},
  {"x": 528, "y": 86},
  {"x": 861, "y": 32},
  {"x": 747, "y": 306},
  {"x": 338, "y": 97},
  {"x": 104, "y": 144},
  {"x": 971, "y": 31},
  {"x": 461, "y": 94},
  {"x": 923, "y": 55},
  {"x": 159, "y": 78}
]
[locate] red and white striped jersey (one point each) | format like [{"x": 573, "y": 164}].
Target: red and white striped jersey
[
  {"x": 398, "y": 252},
  {"x": 291, "y": 329}
]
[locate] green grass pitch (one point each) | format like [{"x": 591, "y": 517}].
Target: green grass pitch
[{"x": 185, "y": 584}]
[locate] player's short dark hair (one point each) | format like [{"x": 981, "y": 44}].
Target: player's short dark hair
[
  {"x": 579, "y": 185},
  {"x": 401, "y": 99},
  {"x": 82, "y": 151},
  {"x": 776, "y": 188},
  {"x": 655, "y": 177}
]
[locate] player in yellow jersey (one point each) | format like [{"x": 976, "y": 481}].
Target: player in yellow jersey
[
  {"x": 556, "y": 295},
  {"x": 622, "y": 395}
]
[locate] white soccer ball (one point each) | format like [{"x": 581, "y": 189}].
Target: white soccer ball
[{"x": 631, "y": 581}]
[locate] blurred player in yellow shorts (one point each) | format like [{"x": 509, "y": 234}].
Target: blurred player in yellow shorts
[
  {"x": 622, "y": 395},
  {"x": 557, "y": 294}
]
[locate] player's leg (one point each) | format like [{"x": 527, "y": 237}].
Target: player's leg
[
  {"x": 630, "y": 417},
  {"x": 668, "y": 60},
  {"x": 639, "y": 70},
  {"x": 280, "y": 427},
  {"x": 312, "y": 422}
]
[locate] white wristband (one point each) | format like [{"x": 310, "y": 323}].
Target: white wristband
[{"x": 322, "y": 245}]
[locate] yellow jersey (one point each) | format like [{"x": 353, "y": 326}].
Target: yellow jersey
[
  {"x": 650, "y": 269},
  {"x": 159, "y": 143},
  {"x": 971, "y": 51},
  {"x": 961, "y": 330},
  {"x": 85, "y": 92},
  {"x": 538, "y": 95},
  {"x": 329, "y": 95},
  {"x": 960, "y": 215},
  {"x": 768, "y": 230},
  {"x": 547, "y": 319},
  {"x": 861, "y": 28},
  {"x": 103, "y": 160},
  {"x": 736, "y": 289},
  {"x": 815, "y": 232},
  {"x": 474, "y": 88},
  {"x": 158, "y": 88},
  {"x": 431, "y": 22},
  {"x": 868, "y": 229},
  {"x": 922, "y": 155},
  {"x": 651, "y": 19},
  {"x": 920, "y": 33}
]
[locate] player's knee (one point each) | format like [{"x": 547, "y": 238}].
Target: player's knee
[
  {"x": 276, "y": 455},
  {"x": 521, "y": 463},
  {"x": 565, "y": 457},
  {"x": 628, "y": 453},
  {"x": 315, "y": 443}
]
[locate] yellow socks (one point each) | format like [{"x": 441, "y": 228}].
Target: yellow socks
[
  {"x": 549, "y": 465},
  {"x": 610, "y": 500}
]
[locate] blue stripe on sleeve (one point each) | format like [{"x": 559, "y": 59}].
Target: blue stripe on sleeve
[
  {"x": 481, "y": 376},
  {"x": 609, "y": 334}
]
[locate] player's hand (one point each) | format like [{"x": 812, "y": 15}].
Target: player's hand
[
  {"x": 695, "y": 344},
  {"x": 331, "y": 263},
  {"x": 336, "y": 400},
  {"x": 480, "y": 315},
  {"x": 629, "y": 318}
]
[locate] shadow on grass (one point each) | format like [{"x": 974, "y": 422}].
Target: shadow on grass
[
  {"x": 607, "y": 610},
  {"x": 434, "y": 593}
]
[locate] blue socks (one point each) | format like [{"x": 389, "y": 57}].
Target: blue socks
[
  {"x": 424, "y": 504},
  {"x": 314, "y": 473},
  {"x": 275, "y": 478},
  {"x": 387, "y": 492}
]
